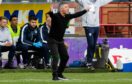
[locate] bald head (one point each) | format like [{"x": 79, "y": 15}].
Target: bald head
[{"x": 64, "y": 8}]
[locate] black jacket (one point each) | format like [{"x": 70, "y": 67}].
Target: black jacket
[
  {"x": 60, "y": 23},
  {"x": 29, "y": 35},
  {"x": 43, "y": 31}
]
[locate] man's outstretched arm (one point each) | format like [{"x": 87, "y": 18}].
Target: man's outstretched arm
[{"x": 78, "y": 14}]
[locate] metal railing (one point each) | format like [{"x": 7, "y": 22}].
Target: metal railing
[{"x": 116, "y": 20}]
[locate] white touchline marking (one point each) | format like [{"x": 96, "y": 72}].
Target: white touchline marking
[{"x": 71, "y": 80}]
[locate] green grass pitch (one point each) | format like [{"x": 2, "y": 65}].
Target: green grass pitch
[{"x": 42, "y": 77}]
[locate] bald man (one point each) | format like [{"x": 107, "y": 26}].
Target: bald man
[{"x": 58, "y": 50}]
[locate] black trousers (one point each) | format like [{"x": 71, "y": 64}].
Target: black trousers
[
  {"x": 58, "y": 51},
  {"x": 42, "y": 52},
  {"x": 11, "y": 54},
  {"x": 92, "y": 36}
]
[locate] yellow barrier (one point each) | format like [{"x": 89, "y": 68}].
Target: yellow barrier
[{"x": 24, "y": 10}]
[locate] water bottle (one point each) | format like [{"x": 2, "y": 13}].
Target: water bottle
[{"x": 119, "y": 65}]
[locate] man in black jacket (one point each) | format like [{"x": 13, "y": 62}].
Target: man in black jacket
[
  {"x": 30, "y": 40},
  {"x": 58, "y": 50},
  {"x": 44, "y": 30}
]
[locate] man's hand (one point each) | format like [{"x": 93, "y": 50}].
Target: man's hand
[
  {"x": 51, "y": 7},
  {"x": 37, "y": 44},
  {"x": 8, "y": 44},
  {"x": 87, "y": 7},
  {"x": 92, "y": 8},
  {"x": 66, "y": 44}
]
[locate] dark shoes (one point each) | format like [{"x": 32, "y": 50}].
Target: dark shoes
[
  {"x": 59, "y": 77},
  {"x": 55, "y": 78},
  {"x": 90, "y": 67}
]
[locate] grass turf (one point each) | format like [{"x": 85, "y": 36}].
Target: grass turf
[{"x": 44, "y": 77}]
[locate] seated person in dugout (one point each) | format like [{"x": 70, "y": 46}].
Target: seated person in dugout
[
  {"x": 44, "y": 30},
  {"x": 6, "y": 43},
  {"x": 30, "y": 40},
  {"x": 14, "y": 29}
]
